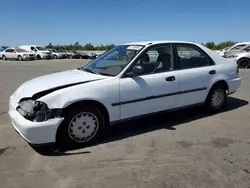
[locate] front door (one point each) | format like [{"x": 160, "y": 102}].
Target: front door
[
  {"x": 153, "y": 91},
  {"x": 9, "y": 53}
]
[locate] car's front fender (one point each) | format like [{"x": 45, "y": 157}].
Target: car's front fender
[{"x": 104, "y": 91}]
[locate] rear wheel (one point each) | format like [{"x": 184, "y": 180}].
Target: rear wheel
[
  {"x": 244, "y": 63},
  {"x": 4, "y": 58},
  {"x": 216, "y": 98},
  {"x": 81, "y": 126}
]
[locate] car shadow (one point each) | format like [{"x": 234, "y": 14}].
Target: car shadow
[{"x": 168, "y": 121}]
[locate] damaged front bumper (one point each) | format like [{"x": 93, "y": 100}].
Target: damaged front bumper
[{"x": 35, "y": 133}]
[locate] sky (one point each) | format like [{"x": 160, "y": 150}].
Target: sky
[{"x": 120, "y": 21}]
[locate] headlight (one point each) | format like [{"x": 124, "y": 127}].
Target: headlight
[
  {"x": 37, "y": 111},
  {"x": 27, "y": 105}
]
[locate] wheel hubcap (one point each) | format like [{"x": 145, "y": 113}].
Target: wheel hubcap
[
  {"x": 218, "y": 98},
  {"x": 83, "y": 127}
]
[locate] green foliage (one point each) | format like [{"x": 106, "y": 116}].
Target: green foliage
[
  {"x": 77, "y": 46},
  {"x": 213, "y": 46},
  {"x": 4, "y": 47}
]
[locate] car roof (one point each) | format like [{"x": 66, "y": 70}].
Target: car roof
[{"x": 158, "y": 42}]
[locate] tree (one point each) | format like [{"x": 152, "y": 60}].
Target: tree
[
  {"x": 225, "y": 44},
  {"x": 210, "y": 45},
  {"x": 50, "y": 45},
  {"x": 88, "y": 46}
]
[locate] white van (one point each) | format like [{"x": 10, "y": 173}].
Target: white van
[{"x": 41, "y": 52}]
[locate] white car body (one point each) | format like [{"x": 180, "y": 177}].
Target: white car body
[
  {"x": 122, "y": 97},
  {"x": 14, "y": 53},
  {"x": 43, "y": 54}
]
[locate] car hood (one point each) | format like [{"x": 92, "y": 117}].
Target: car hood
[{"x": 46, "y": 84}]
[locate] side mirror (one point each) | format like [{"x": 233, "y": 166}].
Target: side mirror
[{"x": 138, "y": 70}]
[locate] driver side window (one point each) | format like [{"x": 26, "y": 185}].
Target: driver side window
[{"x": 157, "y": 59}]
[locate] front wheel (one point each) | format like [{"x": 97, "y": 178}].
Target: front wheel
[
  {"x": 82, "y": 125},
  {"x": 4, "y": 58},
  {"x": 216, "y": 99}
]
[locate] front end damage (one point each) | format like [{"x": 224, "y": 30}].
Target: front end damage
[{"x": 37, "y": 111}]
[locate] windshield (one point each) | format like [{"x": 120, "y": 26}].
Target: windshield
[
  {"x": 114, "y": 61},
  {"x": 238, "y": 47},
  {"x": 40, "y": 48},
  {"x": 20, "y": 50}
]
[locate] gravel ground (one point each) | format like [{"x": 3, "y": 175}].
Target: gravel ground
[{"x": 183, "y": 149}]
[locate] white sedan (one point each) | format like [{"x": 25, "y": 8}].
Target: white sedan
[
  {"x": 128, "y": 81},
  {"x": 17, "y": 53}
]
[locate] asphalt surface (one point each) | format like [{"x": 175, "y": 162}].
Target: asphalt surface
[{"x": 189, "y": 148}]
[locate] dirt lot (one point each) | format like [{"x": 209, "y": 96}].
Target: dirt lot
[{"x": 185, "y": 149}]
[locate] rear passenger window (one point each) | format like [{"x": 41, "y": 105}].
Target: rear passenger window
[{"x": 190, "y": 57}]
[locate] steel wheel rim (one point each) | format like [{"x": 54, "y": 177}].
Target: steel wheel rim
[
  {"x": 218, "y": 98},
  {"x": 83, "y": 127}
]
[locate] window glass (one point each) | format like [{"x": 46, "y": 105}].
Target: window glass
[
  {"x": 157, "y": 59},
  {"x": 9, "y": 50},
  {"x": 113, "y": 61},
  {"x": 190, "y": 57},
  {"x": 238, "y": 47},
  {"x": 20, "y": 50}
]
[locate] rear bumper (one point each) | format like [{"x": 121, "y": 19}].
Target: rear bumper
[{"x": 233, "y": 84}]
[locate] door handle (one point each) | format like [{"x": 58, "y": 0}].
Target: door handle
[
  {"x": 170, "y": 78},
  {"x": 212, "y": 72}
]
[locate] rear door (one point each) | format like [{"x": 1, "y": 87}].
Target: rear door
[{"x": 195, "y": 71}]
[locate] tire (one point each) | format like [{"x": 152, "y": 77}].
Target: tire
[
  {"x": 55, "y": 57},
  {"x": 244, "y": 63},
  {"x": 4, "y": 58},
  {"x": 20, "y": 58},
  {"x": 216, "y": 98},
  {"x": 82, "y": 126},
  {"x": 38, "y": 57}
]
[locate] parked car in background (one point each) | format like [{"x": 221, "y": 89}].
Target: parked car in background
[
  {"x": 18, "y": 54},
  {"x": 1, "y": 52},
  {"x": 56, "y": 54},
  {"x": 234, "y": 47},
  {"x": 75, "y": 55},
  {"x": 41, "y": 52},
  {"x": 221, "y": 52},
  {"x": 236, "y": 50},
  {"x": 242, "y": 56},
  {"x": 129, "y": 81},
  {"x": 66, "y": 53}
]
